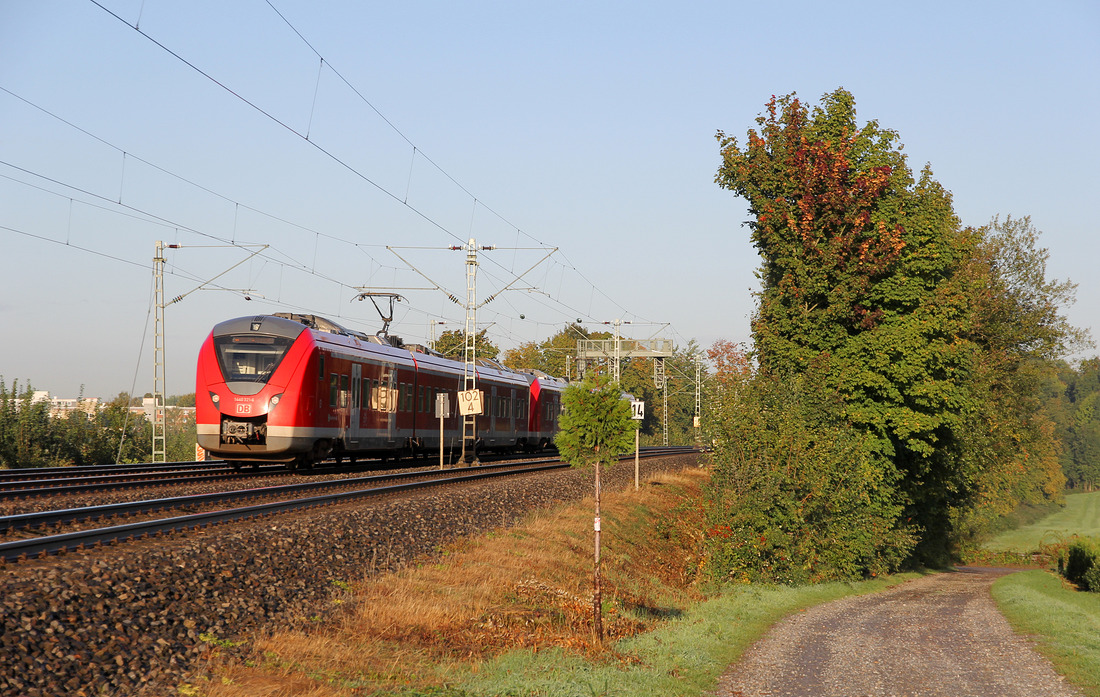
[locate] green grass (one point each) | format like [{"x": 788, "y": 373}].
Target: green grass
[
  {"x": 1065, "y": 622},
  {"x": 685, "y": 657},
  {"x": 1080, "y": 516}
]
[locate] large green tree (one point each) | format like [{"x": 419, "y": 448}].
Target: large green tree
[{"x": 867, "y": 275}]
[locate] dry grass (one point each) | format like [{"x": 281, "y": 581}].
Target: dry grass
[{"x": 524, "y": 587}]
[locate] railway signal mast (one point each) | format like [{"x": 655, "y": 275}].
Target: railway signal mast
[
  {"x": 159, "y": 449},
  {"x": 469, "y": 383},
  {"x": 470, "y": 403},
  {"x": 160, "y": 452}
]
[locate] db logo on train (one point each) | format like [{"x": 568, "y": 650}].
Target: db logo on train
[{"x": 244, "y": 408}]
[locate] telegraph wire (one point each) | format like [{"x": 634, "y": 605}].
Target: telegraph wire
[
  {"x": 150, "y": 219},
  {"x": 178, "y": 177},
  {"x": 396, "y": 130},
  {"x": 285, "y": 125},
  {"x": 73, "y": 246},
  {"x": 323, "y": 150},
  {"x": 331, "y": 155}
]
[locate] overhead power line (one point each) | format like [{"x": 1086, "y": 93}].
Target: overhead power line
[{"x": 563, "y": 261}]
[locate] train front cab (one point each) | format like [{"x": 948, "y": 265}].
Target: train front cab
[{"x": 247, "y": 368}]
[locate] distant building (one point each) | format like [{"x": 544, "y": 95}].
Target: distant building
[
  {"x": 63, "y": 407},
  {"x": 171, "y": 413}
]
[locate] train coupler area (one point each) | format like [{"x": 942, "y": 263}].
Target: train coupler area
[{"x": 246, "y": 431}]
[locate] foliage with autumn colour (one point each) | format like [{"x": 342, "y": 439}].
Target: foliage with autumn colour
[{"x": 927, "y": 332}]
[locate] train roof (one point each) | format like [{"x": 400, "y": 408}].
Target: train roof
[{"x": 291, "y": 324}]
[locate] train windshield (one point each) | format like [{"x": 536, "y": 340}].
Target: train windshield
[{"x": 250, "y": 357}]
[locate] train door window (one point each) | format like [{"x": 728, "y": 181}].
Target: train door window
[
  {"x": 356, "y": 372},
  {"x": 345, "y": 391},
  {"x": 366, "y": 394},
  {"x": 420, "y": 398},
  {"x": 321, "y": 363},
  {"x": 333, "y": 388}
]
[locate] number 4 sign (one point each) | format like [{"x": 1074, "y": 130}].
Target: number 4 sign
[{"x": 469, "y": 402}]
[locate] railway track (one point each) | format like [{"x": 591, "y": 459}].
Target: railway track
[
  {"x": 286, "y": 498},
  {"x": 28, "y": 484}
]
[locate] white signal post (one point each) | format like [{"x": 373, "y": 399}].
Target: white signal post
[{"x": 637, "y": 409}]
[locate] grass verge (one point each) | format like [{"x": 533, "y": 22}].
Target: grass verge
[
  {"x": 686, "y": 656},
  {"x": 509, "y": 613},
  {"x": 1064, "y": 622},
  {"x": 1080, "y": 516}
]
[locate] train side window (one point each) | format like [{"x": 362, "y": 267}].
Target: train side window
[
  {"x": 365, "y": 394},
  {"x": 374, "y": 396},
  {"x": 321, "y": 363},
  {"x": 333, "y": 389},
  {"x": 420, "y": 398},
  {"x": 345, "y": 389}
]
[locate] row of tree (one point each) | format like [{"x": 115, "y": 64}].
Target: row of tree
[
  {"x": 1074, "y": 404},
  {"x": 893, "y": 404},
  {"x": 30, "y": 437}
]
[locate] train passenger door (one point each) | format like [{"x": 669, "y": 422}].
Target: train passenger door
[
  {"x": 355, "y": 427},
  {"x": 493, "y": 408}
]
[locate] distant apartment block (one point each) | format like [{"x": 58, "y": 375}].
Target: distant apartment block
[{"x": 63, "y": 407}]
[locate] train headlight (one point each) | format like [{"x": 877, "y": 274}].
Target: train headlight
[
  {"x": 274, "y": 400},
  {"x": 215, "y": 398}
]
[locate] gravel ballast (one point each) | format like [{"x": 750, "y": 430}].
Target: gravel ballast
[{"x": 141, "y": 618}]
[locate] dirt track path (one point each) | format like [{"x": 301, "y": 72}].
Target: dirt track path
[{"x": 938, "y": 635}]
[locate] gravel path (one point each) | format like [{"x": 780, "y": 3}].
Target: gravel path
[{"x": 937, "y": 635}]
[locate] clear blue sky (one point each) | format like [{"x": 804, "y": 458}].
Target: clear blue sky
[{"x": 578, "y": 125}]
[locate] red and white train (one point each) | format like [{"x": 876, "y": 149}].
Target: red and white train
[{"x": 299, "y": 388}]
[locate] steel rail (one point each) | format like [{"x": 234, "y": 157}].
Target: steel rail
[
  {"x": 55, "y": 544},
  {"x": 116, "y": 485},
  {"x": 49, "y": 473},
  {"x": 40, "y": 519}
]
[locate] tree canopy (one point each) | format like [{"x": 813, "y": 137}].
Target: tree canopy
[
  {"x": 596, "y": 425},
  {"x": 453, "y": 343},
  {"x": 924, "y": 329}
]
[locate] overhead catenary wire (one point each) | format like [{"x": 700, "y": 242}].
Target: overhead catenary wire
[
  {"x": 558, "y": 304},
  {"x": 158, "y": 220},
  {"x": 336, "y": 159}
]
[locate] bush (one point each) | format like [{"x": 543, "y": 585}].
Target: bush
[
  {"x": 797, "y": 495},
  {"x": 1080, "y": 563},
  {"x": 1090, "y": 581}
]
